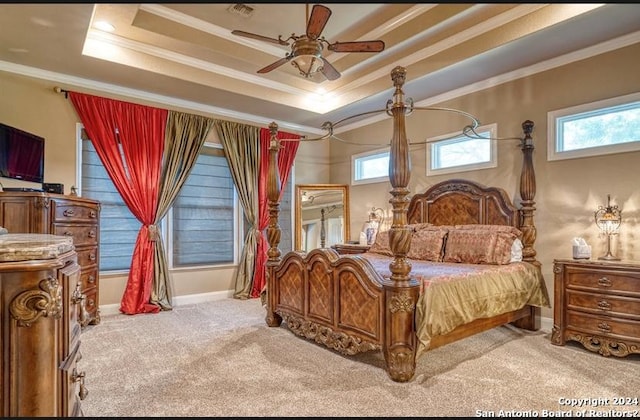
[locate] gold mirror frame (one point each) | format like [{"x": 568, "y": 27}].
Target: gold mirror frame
[{"x": 322, "y": 196}]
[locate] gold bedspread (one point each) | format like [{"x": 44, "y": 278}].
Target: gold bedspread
[{"x": 453, "y": 294}]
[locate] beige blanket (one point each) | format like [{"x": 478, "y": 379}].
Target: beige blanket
[{"x": 454, "y": 294}]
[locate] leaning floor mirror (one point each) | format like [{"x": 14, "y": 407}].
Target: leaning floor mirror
[{"x": 322, "y": 216}]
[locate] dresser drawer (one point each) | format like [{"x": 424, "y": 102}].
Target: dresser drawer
[
  {"x": 75, "y": 212},
  {"x": 82, "y": 234},
  {"x": 91, "y": 301},
  {"x": 610, "y": 305},
  {"x": 73, "y": 384},
  {"x": 88, "y": 278},
  {"x": 603, "y": 326},
  {"x": 87, "y": 256},
  {"x": 604, "y": 280}
]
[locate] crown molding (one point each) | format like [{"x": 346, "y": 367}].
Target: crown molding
[
  {"x": 601, "y": 48},
  {"x": 569, "y": 58},
  {"x": 151, "y": 97}
]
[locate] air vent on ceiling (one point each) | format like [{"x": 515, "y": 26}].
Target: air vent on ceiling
[{"x": 241, "y": 10}]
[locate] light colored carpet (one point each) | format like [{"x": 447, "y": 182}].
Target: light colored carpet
[{"x": 221, "y": 359}]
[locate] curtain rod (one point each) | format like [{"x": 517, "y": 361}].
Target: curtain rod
[{"x": 58, "y": 89}]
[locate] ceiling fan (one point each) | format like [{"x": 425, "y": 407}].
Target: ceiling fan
[{"x": 306, "y": 51}]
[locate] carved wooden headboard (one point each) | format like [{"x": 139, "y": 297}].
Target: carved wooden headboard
[{"x": 459, "y": 201}]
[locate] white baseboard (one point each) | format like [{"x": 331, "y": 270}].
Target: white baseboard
[
  {"x": 114, "y": 308},
  {"x": 546, "y": 324}
]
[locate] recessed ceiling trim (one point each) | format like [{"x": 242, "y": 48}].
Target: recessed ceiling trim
[
  {"x": 210, "y": 28},
  {"x": 443, "y": 45},
  {"x": 192, "y": 62}
]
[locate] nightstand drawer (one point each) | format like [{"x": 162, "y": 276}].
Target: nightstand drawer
[
  {"x": 603, "y": 280},
  {"x": 610, "y": 305},
  {"x": 602, "y": 325}
]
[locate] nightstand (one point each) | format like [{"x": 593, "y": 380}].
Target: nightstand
[
  {"x": 597, "y": 303},
  {"x": 350, "y": 248}
]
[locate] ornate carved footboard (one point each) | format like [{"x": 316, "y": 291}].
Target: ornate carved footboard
[
  {"x": 338, "y": 302},
  {"x": 343, "y": 303}
]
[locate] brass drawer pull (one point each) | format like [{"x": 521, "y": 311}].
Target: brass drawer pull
[
  {"x": 79, "y": 377},
  {"x": 92, "y": 214},
  {"x": 91, "y": 279},
  {"x": 92, "y": 234},
  {"x": 92, "y": 257},
  {"x": 67, "y": 233},
  {"x": 604, "y": 282},
  {"x": 603, "y": 326},
  {"x": 69, "y": 213},
  {"x": 604, "y": 305}
]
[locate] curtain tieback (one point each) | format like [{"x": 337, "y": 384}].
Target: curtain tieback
[{"x": 154, "y": 233}]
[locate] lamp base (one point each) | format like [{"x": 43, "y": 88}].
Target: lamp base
[{"x": 609, "y": 257}]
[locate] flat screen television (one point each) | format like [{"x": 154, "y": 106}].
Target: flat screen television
[{"x": 21, "y": 155}]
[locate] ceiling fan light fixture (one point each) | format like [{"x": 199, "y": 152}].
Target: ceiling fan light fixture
[{"x": 307, "y": 56}]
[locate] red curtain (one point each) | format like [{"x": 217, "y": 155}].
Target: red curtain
[
  {"x": 286, "y": 155},
  {"x": 129, "y": 140}
]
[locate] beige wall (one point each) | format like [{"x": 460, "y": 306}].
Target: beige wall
[
  {"x": 568, "y": 191},
  {"x": 31, "y": 104}
]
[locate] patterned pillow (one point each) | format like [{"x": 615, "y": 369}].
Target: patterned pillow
[
  {"x": 477, "y": 246},
  {"x": 493, "y": 228},
  {"x": 428, "y": 244},
  {"x": 381, "y": 244}
]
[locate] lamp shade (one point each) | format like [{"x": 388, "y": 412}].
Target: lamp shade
[{"x": 608, "y": 219}]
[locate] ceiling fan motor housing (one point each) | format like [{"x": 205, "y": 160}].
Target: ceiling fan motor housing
[{"x": 307, "y": 56}]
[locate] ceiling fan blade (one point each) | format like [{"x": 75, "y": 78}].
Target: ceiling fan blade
[
  {"x": 259, "y": 37},
  {"x": 357, "y": 46},
  {"x": 272, "y": 66},
  {"x": 329, "y": 71},
  {"x": 318, "y": 19}
]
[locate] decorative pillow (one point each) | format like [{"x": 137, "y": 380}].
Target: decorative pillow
[
  {"x": 477, "y": 246},
  {"x": 428, "y": 244},
  {"x": 381, "y": 244},
  {"x": 492, "y": 228}
]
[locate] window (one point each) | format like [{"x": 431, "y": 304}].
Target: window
[
  {"x": 199, "y": 230},
  {"x": 369, "y": 167},
  {"x": 202, "y": 217},
  {"x": 118, "y": 226},
  {"x": 447, "y": 154},
  {"x": 597, "y": 128}
]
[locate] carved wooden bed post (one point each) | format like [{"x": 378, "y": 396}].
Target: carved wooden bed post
[
  {"x": 273, "y": 230},
  {"x": 527, "y": 193},
  {"x": 527, "y": 208},
  {"x": 401, "y": 291}
]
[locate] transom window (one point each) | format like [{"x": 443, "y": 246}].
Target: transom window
[
  {"x": 457, "y": 153},
  {"x": 369, "y": 167},
  {"x": 597, "y": 128}
]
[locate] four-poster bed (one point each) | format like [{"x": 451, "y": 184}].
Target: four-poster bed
[{"x": 385, "y": 301}]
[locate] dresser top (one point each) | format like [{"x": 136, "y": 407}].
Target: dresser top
[{"x": 33, "y": 246}]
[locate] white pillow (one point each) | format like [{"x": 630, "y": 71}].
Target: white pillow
[{"x": 516, "y": 250}]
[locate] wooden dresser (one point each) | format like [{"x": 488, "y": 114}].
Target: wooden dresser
[
  {"x": 39, "y": 303},
  {"x": 597, "y": 303},
  {"x": 57, "y": 214}
]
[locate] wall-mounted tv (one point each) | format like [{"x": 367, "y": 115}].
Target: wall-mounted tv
[{"x": 21, "y": 155}]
